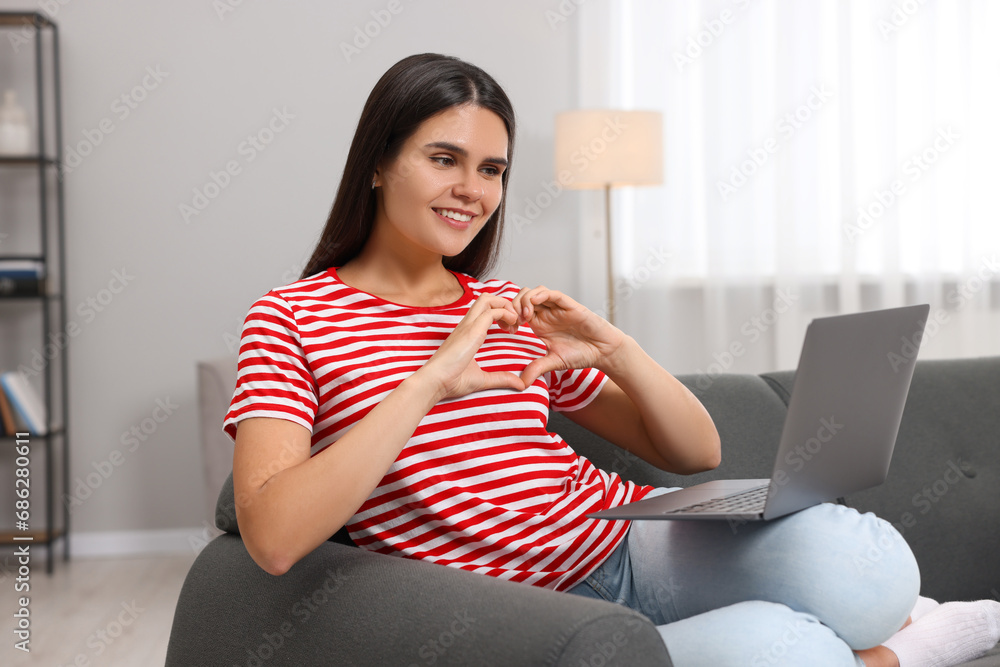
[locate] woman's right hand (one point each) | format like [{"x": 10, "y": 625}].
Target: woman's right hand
[{"x": 453, "y": 368}]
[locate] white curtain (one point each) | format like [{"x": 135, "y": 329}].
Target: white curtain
[{"x": 821, "y": 157}]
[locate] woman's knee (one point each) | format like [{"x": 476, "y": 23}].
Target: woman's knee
[
  {"x": 853, "y": 571},
  {"x": 873, "y": 576}
]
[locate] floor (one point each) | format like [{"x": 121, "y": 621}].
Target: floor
[{"x": 93, "y": 612}]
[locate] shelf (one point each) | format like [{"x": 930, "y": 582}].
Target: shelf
[
  {"x": 27, "y": 258},
  {"x": 48, "y": 289},
  {"x": 27, "y": 160},
  {"x": 38, "y": 537},
  {"x": 28, "y": 297},
  {"x": 18, "y": 19},
  {"x": 53, "y": 433}
]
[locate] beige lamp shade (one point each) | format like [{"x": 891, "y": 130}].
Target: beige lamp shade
[{"x": 609, "y": 147}]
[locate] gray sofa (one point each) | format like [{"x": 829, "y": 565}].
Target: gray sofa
[{"x": 345, "y": 606}]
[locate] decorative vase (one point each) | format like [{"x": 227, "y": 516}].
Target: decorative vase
[{"x": 15, "y": 133}]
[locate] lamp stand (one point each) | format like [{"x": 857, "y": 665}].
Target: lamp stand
[{"x": 607, "y": 245}]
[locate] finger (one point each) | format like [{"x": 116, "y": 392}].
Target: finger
[
  {"x": 487, "y": 300},
  {"x": 553, "y": 297},
  {"x": 501, "y": 302},
  {"x": 509, "y": 321},
  {"x": 490, "y": 304},
  {"x": 503, "y": 380},
  {"x": 471, "y": 332},
  {"x": 518, "y": 301},
  {"x": 532, "y": 298},
  {"x": 475, "y": 331},
  {"x": 539, "y": 367}
]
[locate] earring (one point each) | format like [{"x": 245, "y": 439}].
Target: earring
[{"x": 373, "y": 183}]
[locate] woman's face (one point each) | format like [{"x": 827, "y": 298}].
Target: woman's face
[{"x": 445, "y": 184}]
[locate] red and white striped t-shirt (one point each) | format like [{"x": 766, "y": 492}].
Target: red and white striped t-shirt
[{"x": 481, "y": 484}]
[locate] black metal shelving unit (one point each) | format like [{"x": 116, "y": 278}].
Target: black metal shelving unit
[{"x": 48, "y": 161}]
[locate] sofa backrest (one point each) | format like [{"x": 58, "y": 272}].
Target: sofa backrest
[{"x": 747, "y": 413}]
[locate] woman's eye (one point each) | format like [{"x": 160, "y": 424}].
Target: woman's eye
[{"x": 448, "y": 161}]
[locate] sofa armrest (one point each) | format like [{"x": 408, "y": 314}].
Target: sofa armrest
[{"x": 346, "y": 606}]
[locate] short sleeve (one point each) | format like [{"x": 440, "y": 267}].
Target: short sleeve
[
  {"x": 273, "y": 377},
  {"x": 573, "y": 389}
]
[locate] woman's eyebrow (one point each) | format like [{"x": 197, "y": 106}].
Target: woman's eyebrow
[{"x": 464, "y": 153}]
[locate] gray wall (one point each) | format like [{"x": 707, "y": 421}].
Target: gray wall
[{"x": 190, "y": 283}]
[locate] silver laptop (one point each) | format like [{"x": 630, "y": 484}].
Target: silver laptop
[{"x": 840, "y": 429}]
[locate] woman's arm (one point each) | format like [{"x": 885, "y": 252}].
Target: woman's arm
[
  {"x": 645, "y": 410},
  {"x": 288, "y": 503},
  {"x": 642, "y": 408}
]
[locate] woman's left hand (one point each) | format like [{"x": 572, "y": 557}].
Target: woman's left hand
[{"x": 574, "y": 336}]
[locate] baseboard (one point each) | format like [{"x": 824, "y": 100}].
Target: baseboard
[{"x": 119, "y": 543}]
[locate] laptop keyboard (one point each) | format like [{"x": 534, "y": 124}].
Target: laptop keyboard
[{"x": 750, "y": 501}]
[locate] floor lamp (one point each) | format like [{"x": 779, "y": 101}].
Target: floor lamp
[{"x": 608, "y": 148}]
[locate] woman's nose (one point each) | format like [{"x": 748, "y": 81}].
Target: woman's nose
[{"x": 470, "y": 187}]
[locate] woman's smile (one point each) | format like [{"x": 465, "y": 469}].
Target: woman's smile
[{"x": 455, "y": 218}]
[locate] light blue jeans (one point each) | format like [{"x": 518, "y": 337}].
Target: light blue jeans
[{"x": 804, "y": 589}]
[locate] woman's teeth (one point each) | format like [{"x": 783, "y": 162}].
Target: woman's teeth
[{"x": 453, "y": 215}]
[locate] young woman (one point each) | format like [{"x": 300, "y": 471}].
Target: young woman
[{"x": 394, "y": 391}]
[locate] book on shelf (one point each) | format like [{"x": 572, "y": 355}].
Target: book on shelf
[
  {"x": 8, "y": 424},
  {"x": 22, "y": 286},
  {"x": 22, "y": 268},
  {"x": 26, "y": 404},
  {"x": 22, "y": 277}
]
